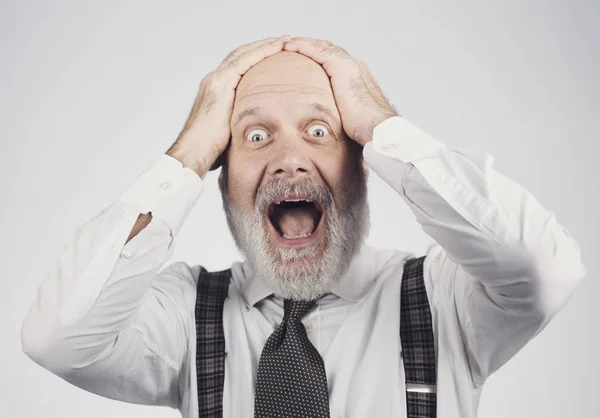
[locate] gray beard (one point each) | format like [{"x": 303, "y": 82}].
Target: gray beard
[{"x": 310, "y": 272}]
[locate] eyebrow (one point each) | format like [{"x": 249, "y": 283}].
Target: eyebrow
[{"x": 256, "y": 110}]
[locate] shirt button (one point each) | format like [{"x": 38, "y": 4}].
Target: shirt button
[
  {"x": 389, "y": 146},
  {"x": 165, "y": 185},
  {"x": 126, "y": 254}
]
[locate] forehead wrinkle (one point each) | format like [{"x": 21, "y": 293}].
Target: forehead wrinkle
[
  {"x": 305, "y": 90},
  {"x": 314, "y": 107},
  {"x": 297, "y": 87}
]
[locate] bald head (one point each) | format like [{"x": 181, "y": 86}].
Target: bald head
[{"x": 283, "y": 73}]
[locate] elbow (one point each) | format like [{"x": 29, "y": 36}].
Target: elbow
[
  {"x": 35, "y": 348},
  {"x": 557, "y": 270},
  {"x": 555, "y": 283},
  {"x": 37, "y": 344}
]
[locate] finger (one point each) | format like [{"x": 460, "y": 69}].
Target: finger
[
  {"x": 247, "y": 47},
  {"x": 319, "y": 50},
  {"x": 243, "y": 48},
  {"x": 252, "y": 57}
]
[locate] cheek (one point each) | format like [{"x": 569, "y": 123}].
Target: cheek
[
  {"x": 337, "y": 166},
  {"x": 242, "y": 185},
  {"x": 342, "y": 176}
]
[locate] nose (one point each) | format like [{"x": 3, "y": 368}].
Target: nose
[{"x": 291, "y": 160}]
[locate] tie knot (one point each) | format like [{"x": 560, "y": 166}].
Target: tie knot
[{"x": 296, "y": 309}]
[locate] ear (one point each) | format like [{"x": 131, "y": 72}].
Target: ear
[{"x": 366, "y": 169}]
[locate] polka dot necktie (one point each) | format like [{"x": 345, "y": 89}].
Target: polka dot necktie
[{"x": 291, "y": 379}]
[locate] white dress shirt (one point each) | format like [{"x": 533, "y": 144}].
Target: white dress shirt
[{"x": 112, "y": 319}]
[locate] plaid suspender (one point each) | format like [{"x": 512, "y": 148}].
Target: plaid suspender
[
  {"x": 416, "y": 335},
  {"x": 210, "y": 348}
]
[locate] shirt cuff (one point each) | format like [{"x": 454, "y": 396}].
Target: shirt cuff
[
  {"x": 401, "y": 140},
  {"x": 167, "y": 189}
]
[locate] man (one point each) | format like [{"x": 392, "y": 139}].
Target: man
[{"x": 290, "y": 120}]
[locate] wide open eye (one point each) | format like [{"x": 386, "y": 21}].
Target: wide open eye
[
  {"x": 256, "y": 135},
  {"x": 318, "y": 131}
]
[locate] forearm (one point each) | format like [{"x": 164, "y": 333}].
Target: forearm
[
  {"x": 94, "y": 288},
  {"x": 489, "y": 225},
  {"x": 142, "y": 221},
  {"x": 102, "y": 275},
  {"x": 193, "y": 153},
  {"x": 108, "y": 351}
]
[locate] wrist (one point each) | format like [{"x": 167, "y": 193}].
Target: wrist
[
  {"x": 198, "y": 161},
  {"x": 376, "y": 121}
]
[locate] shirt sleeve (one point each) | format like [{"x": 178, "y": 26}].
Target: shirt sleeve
[
  {"x": 510, "y": 265},
  {"x": 105, "y": 319}
]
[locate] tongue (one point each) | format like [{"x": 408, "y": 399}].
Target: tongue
[{"x": 295, "y": 222}]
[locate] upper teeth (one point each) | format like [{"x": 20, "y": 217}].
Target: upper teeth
[
  {"x": 293, "y": 200},
  {"x": 308, "y": 234}
]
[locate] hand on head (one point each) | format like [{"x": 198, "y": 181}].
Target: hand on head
[
  {"x": 359, "y": 101},
  {"x": 206, "y": 132}
]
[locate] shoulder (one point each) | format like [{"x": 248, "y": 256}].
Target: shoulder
[
  {"x": 178, "y": 282},
  {"x": 395, "y": 263},
  {"x": 180, "y": 274},
  {"x": 386, "y": 260},
  {"x": 437, "y": 265}
]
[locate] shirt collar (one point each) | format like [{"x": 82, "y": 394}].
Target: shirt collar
[{"x": 353, "y": 285}]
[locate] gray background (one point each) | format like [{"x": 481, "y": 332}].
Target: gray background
[{"x": 93, "y": 92}]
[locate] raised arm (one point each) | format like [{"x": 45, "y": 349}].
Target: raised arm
[
  {"x": 503, "y": 262},
  {"x": 106, "y": 318}
]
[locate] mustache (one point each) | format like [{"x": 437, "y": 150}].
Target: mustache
[{"x": 303, "y": 186}]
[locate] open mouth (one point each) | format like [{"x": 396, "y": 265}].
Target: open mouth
[{"x": 295, "y": 219}]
